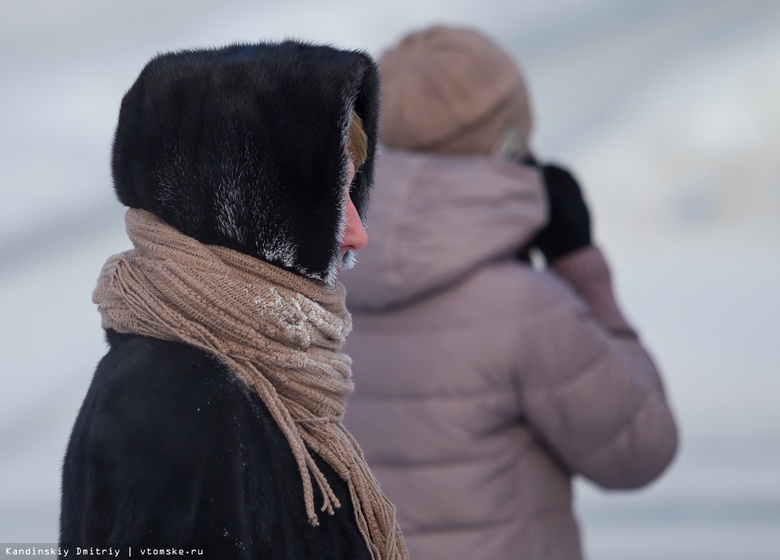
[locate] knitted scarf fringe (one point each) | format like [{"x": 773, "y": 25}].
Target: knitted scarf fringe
[{"x": 280, "y": 333}]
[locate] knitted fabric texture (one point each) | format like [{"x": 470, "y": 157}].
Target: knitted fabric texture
[
  {"x": 279, "y": 332},
  {"x": 451, "y": 90}
]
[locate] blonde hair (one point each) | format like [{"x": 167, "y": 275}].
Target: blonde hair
[{"x": 357, "y": 140}]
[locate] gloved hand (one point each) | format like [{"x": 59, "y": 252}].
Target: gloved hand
[{"x": 568, "y": 227}]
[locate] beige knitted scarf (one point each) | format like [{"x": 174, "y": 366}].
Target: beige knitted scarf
[{"x": 279, "y": 332}]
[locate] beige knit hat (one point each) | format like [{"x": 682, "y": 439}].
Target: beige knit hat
[{"x": 452, "y": 90}]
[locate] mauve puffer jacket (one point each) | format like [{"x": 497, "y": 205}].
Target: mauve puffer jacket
[{"x": 483, "y": 385}]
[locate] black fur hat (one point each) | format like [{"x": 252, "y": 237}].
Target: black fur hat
[{"x": 244, "y": 147}]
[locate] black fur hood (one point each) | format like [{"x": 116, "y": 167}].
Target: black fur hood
[{"x": 244, "y": 147}]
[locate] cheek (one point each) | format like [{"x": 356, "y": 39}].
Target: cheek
[{"x": 355, "y": 237}]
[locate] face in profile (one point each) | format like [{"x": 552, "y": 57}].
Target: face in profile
[{"x": 355, "y": 237}]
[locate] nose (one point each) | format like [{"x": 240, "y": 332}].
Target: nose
[{"x": 355, "y": 236}]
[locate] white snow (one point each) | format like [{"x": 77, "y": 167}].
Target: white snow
[{"x": 669, "y": 112}]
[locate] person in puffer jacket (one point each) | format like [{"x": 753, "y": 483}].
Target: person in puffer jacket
[{"x": 484, "y": 383}]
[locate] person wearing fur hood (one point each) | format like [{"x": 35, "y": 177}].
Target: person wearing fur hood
[
  {"x": 484, "y": 384},
  {"x": 215, "y": 418}
]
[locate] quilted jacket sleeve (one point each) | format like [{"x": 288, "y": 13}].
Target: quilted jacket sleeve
[{"x": 595, "y": 397}]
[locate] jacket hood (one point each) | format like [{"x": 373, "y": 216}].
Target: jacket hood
[
  {"x": 244, "y": 147},
  {"x": 435, "y": 219}
]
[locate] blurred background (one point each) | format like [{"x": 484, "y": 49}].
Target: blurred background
[{"x": 667, "y": 110}]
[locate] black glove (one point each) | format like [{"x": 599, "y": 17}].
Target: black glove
[{"x": 568, "y": 227}]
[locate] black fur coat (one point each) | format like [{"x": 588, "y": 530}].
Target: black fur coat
[{"x": 242, "y": 147}]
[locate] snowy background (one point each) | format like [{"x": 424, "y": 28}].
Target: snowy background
[{"x": 667, "y": 110}]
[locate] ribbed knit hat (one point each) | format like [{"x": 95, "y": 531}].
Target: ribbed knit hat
[{"x": 451, "y": 90}]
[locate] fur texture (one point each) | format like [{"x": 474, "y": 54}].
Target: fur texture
[
  {"x": 244, "y": 147},
  {"x": 170, "y": 448}
]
